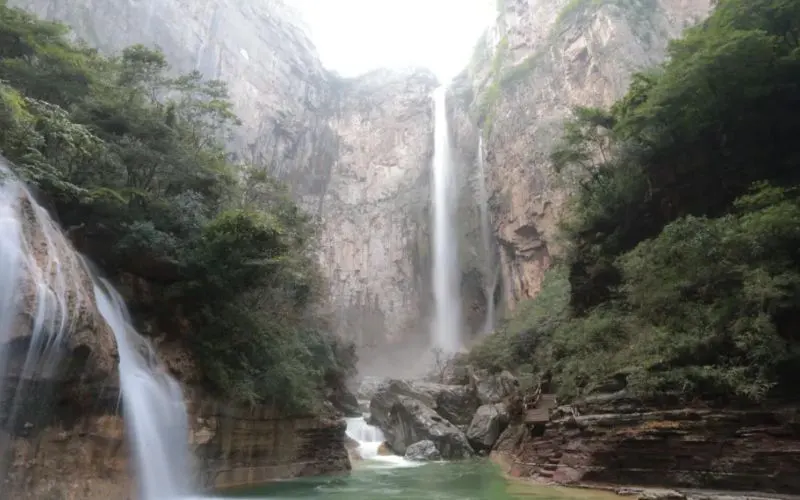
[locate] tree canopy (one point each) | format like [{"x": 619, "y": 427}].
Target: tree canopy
[
  {"x": 684, "y": 229},
  {"x": 133, "y": 157}
]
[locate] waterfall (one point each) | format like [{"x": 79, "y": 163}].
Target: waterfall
[
  {"x": 370, "y": 439},
  {"x": 48, "y": 296},
  {"x": 155, "y": 416},
  {"x": 446, "y": 333},
  {"x": 490, "y": 268}
]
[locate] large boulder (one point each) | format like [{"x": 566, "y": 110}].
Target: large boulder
[
  {"x": 488, "y": 423},
  {"x": 456, "y": 403},
  {"x": 423, "y": 451},
  {"x": 369, "y": 386},
  {"x": 405, "y": 420},
  {"x": 494, "y": 387}
]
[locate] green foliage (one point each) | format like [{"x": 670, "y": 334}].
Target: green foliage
[
  {"x": 683, "y": 238},
  {"x": 522, "y": 338},
  {"x": 135, "y": 155}
]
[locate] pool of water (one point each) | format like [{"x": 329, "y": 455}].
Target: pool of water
[{"x": 478, "y": 480}]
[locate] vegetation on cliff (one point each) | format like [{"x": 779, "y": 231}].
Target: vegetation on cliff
[
  {"x": 683, "y": 270},
  {"x": 131, "y": 160}
]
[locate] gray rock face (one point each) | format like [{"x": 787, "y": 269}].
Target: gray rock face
[
  {"x": 423, "y": 451},
  {"x": 355, "y": 152},
  {"x": 278, "y": 86},
  {"x": 455, "y": 403},
  {"x": 405, "y": 421},
  {"x": 374, "y": 223},
  {"x": 494, "y": 387},
  {"x": 541, "y": 59},
  {"x": 488, "y": 423},
  {"x": 369, "y": 386},
  {"x": 407, "y": 413}
]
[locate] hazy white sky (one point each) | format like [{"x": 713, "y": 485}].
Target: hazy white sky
[{"x": 355, "y": 36}]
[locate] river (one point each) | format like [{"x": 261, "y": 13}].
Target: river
[{"x": 472, "y": 480}]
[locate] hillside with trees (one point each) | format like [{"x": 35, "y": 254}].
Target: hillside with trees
[
  {"x": 130, "y": 158},
  {"x": 682, "y": 269}
]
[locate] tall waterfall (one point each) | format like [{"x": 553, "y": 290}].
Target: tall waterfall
[
  {"x": 447, "y": 321},
  {"x": 47, "y": 292},
  {"x": 155, "y": 416},
  {"x": 491, "y": 270}
]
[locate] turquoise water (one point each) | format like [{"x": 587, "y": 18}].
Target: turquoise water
[{"x": 477, "y": 480}]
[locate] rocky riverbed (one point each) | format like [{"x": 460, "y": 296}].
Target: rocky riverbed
[{"x": 605, "y": 439}]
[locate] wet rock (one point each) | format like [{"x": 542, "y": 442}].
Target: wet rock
[
  {"x": 344, "y": 401},
  {"x": 406, "y": 420},
  {"x": 384, "y": 450},
  {"x": 455, "y": 403},
  {"x": 370, "y": 386},
  {"x": 423, "y": 451},
  {"x": 487, "y": 425},
  {"x": 494, "y": 387}
]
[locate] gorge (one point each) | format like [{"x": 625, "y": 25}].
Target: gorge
[{"x": 568, "y": 242}]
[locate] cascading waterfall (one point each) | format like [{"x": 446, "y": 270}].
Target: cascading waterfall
[
  {"x": 490, "y": 267},
  {"x": 370, "y": 439},
  {"x": 155, "y": 415},
  {"x": 45, "y": 290},
  {"x": 446, "y": 333}
]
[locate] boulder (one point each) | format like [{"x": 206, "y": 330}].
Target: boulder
[
  {"x": 343, "y": 400},
  {"x": 369, "y": 386},
  {"x": 405, "y": 420},
  {"x": 384, "y": 450},
  {"x": 488, "y": 423},
  {"x": 494, "y": 387},
  {"x": 455, "y": 403},
  {"x": 423, "y": 451}
]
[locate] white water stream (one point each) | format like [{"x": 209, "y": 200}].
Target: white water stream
[
  {"x": 491, "y": 271},
  {"x": 446, "y": 334},
  {"x": 155, "y": 415},
  {"x": 45, "y": 288},
  {"x": 370, "y": 439}
]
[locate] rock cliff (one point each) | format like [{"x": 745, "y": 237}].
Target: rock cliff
[
  {"x": 277, "y": 84},
  {"x": 355, "y": 152},
  {"x": 538, "y": 61},
  {"x": 614, "y": 439},
  {"x": 375, "y": 215},
  {"x": 87, "y": 457},
  {"x": 61, "y": 432}
]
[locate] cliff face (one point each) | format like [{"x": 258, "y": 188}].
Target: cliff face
[
  {"x": 354, "y": 152},
  {"x": 277, "y": 84},
  {"x": 613, "y": 439},
  {"x": 538, "y": 61},
  {"x": 88, "y": 457},
  {"x": 374, "y": 215}
]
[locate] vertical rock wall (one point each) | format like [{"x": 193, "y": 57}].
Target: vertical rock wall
[{"x": 539, "y": 60}]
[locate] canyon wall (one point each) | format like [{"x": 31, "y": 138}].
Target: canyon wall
[
  {"x": 354, "y": 152},
  {"x": 617, "y": 439},
  {"x": 88, "y": 457},
  {"x": 528, "y": 71},
  {"x": 375, "y": 211}
]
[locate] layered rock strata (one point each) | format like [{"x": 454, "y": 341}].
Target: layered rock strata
[{"x": 618, "y": 440}]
